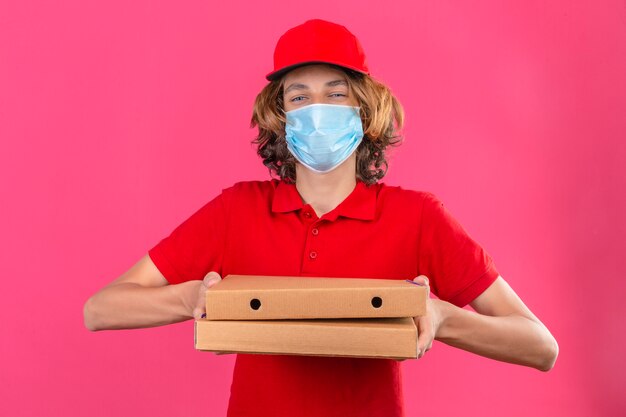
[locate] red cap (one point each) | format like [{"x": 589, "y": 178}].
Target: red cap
[{"x": 317, "y": 41}]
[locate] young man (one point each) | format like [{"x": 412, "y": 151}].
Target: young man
[{"x": 324, "y": 125}]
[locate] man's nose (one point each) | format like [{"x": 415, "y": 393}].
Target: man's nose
[{"x": 319, "y": 98}]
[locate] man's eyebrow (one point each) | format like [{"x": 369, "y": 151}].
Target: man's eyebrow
[
  {"x": 298, "y": 86},
  {"x": 336, "y": 82}
]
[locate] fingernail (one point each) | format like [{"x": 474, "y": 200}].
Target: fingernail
[
  {"x": 203, "y": 315},
  {"x": 416, "y": 283}
]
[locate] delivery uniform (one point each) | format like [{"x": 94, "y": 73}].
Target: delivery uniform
[{"x": 378, "y": 231}]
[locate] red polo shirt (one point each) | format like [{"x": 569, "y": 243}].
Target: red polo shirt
[{"x": 378, "y": 231}]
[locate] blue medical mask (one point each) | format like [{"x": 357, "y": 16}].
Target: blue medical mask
[{"x": 322, "y": 136}]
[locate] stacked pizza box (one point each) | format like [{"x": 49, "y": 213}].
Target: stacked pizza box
[{"x": 351, "y": 317}]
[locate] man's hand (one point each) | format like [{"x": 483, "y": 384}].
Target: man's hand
[
  {"x": 210, "y": 279},
  {"x": 428, "y": 324}
]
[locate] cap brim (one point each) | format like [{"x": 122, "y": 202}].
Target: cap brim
[{"x": 277, "y": 74}]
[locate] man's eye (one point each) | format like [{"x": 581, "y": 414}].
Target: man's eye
[
  {"x": 338, "y": 94},
  {"x": 296, "y": 98}
]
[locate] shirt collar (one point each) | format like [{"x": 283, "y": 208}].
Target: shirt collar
[{"x": 359, "y": 204}]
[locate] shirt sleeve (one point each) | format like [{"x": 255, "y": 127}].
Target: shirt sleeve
[
  {"x": 195, "y": 247},
  {"x": 458, "y": 268}
]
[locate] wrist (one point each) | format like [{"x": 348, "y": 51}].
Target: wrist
[
  {"x": 447, "y": 311},
  {"x": 187, "y": 293}
]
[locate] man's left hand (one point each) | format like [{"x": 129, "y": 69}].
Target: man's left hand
[{"x": 428, "y": 325}]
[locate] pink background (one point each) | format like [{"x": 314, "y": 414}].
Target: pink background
[{"x": 120, "y": 119}]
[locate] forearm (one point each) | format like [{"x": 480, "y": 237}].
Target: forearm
[
  {"x": 131, "y": 306},
  {"x": 514, "y": 339}
]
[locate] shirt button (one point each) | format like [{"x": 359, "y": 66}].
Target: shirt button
[
  {"x": 315, "y": 231},
  {"x": 313, "y": 255},
  {"x": 307, "y": 214}
]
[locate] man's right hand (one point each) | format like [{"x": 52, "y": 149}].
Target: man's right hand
[{"x": 199, "y": 307}]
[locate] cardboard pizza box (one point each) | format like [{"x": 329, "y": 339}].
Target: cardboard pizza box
[
  {"x": 251, "y": 297},
  {"x": 390, "y": 338}
]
